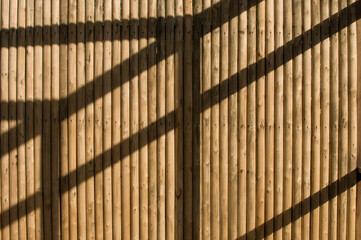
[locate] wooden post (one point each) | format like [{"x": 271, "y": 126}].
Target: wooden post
[
  {"x": 98, "y": 117},
  {"x": 242, "y": 119},
  {"x": 358, "y": 197},
  {"x": 80, "y": 116},
  {"x": 152, "y": 119},
  {"x": 143, "y": 121},
  {"x": 251, "y": 122},
  {"x": 116, "y": 121},
  {"x": 334, "y": 117},
  {"x": 13, "y": 160},
  {"x": 107, "y": 121},
  {"x": 325, "y": 119},
  {"x": 306, "y": 122}
]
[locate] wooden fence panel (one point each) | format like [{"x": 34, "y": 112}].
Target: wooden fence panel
[{"x": 204, "y": 119}]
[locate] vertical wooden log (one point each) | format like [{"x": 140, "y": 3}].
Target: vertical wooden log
[
  {"x": 13, "y": 160},
  {"x": 188, "y": 124},
  {"x": 315, "y": 122},
  {"x": 161, "y": 231},
  {"x": 223, "y": 135},
  {"x": 116, "y": 121},
  {"x": 107, "y": 120},
  {"x": 352, "y": 111},
  {"x": 143, "y": 122},
  {"x": 306, "y": 120},
  {"x": 29, "y": 122},
  {"x": 278, "y": 115},
  {"x": 270, "y": 120},
  {"x": 215, "y": 66},
  {"x": 260, "y": 121},
  {"x": 334, "y": 118},
  {"x": 63, "y": 114},
  {"x": 325, "y": 119},
  {"x": 38, "y": 111},
  {"x": 98, "y": 117},
  {"x": 251, "y": 122},
  {"x": 55, "y": 199},
  {"x": 242, "y": 119},
  {"x": 20, "y": 114},
  {"x": 72, "y": 91},
  {"x": 343, "y": 120},
  {"x": 297, "y": 119},
  {"x": 232, "y": 114},
  {"x": 206, "y": 126},
  {"x": 80, "y": 124},
  {"x": 89, "y": 119},
  {"x": 178, "y": 106},
  {"x": 358, "y": 197},
  {"x": 125, "y": 122},
  {"x": 288, "y": 119},
  {"x": 152, "y": 119},
  {"x": 134, "y": 120},
  {"x": 4, "y": 148}
]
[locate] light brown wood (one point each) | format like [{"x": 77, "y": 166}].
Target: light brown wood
[
  {"x": 13, "y": 161},
  {"x": 288, "y": 119},
  {"x": 251, "y": 123},
  {"x": 325, "y": 120},
  {"x": 98, "y": 118},
  {"x": 80, "y": 120},
  {"x": 152, "y": 119},
  {"x": 4, "y": 148},
  {"x": 116, "y": 121},
  {"x": 107, "y": 121},
  {"x": 315, "y": 122},
  {"x": 242, "y": 120},
  {"x": 278, "y": 114}
]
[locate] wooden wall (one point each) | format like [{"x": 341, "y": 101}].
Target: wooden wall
[{"x": 180, "y": 119}]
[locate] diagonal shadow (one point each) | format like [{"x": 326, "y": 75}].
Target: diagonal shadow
[{"x": 341, "y": 18}]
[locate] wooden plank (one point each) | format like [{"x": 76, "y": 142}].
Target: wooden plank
[
  {"x": 134, "y": 120},
  {"x": 107, "y": 120},
  {"x": 188, "y": 124},
  {"x": 13, "y": 161},
  {"x": 232, "y": 115},
  {"x": 38, "y": 99},
  {"x": 89, "y": 119},
  {"x": 279, "y": 111},
  {"x": 98, "y": 117},
  {"x": 116, "y": 121},
  {"x": 55, "y": 164},
  {"x": 260, "y": 121},
  {"x": 223, "y": 124},
  {"x": 215, "y": 66},
  {"x": 352, "y": 136},
  {"x": 143, "y": 121},
  {"x": 306, "y": 122},
  {"x": 325, "y": 120},
  {"x": 63, "y": 115},
  {"x": 270, "y": 120},
  {"x": 29, "y": 122},
  {"x": 206, "y": 118},
  {"x": 297, "y": 119},
  {"x": 242, "y": 120},
  {"x": 288, "y": 120},
  {"x": 161, "y": 231},
  {"x": 251, "y": 123},
  {"x": 334, "y": 118},
  {"x": 179, "y": 112},
  {"x": 80, "y": 116},
  {"x": 315, "y": 122},
  {"x": 125, "y": 107},
  {"x": 72, "y": 91},
  {"x": 152, "y": 119},
  {"x": 4, "y": 148}
]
